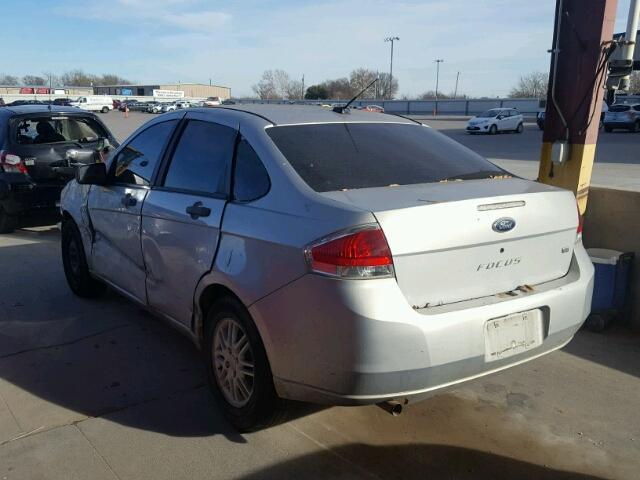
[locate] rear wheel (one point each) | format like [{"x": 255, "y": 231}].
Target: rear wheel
[
  {"x": 75, "y": 265},
  {"x": 105, "y": 110},
  {"x": 520, "y": 128},
  {"x": 238, "y": 369},
  {"x": 493, "y": 129},
  {"x": 8, "y": 223}
]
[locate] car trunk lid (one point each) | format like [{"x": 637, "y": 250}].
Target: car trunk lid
[{"x": 451, "y": 241}]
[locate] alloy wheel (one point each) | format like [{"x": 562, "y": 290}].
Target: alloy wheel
[{"x": 233, "y": 362}]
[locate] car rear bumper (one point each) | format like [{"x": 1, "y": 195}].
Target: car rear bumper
[
  {"x": 359, "y": 342},
  {"x": 24, "y": 198}
]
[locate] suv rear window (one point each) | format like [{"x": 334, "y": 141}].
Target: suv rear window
[
  {"x": 57, "y": 128},
  {"x": 343, "y": 156}
]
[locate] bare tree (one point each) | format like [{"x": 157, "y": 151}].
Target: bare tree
[
  {"x": 8, "y": 79},
  {"x": 339, "y": 88},
  {"x": 79, "y": 78},
  {"x": 294, "y": 90},
  {"x": 282, "y": 81},
  {"x": 266, "y": 88},
  {"x": 359, "y": 79},
  {"x": 533, "y": 85},
  {"x": 112, "y": 79},
  {"x": 634, "y": 83},
  {"x": 34, "y": 80},
  {"x": 385, "y": 90}
]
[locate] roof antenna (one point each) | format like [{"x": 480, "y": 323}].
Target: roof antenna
[{"x": 342, "y": 109}]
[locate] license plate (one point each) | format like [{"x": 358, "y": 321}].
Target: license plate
[
  {"x": 29, "y": 162},
  {"x": 513, "y": 334}
]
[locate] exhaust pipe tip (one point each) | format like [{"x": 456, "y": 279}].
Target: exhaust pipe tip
[{"x": 393, "y": 407}]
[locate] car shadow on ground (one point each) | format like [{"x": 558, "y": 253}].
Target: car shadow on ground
[
  {"x": 63, "y": 358},
  {"x": 617, "y": 347},
  {"x": 410, "y": 461}
]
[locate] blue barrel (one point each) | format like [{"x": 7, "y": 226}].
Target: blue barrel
[{"x": 611, "y": 280}]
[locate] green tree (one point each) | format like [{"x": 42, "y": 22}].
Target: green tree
[{"x": 316, "y": 92}]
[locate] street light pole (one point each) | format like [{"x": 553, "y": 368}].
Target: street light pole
[
  {"x": 455, "y": 92},
  {"x": 438, "y": 62},
  {"x": 391, "y": 39}
]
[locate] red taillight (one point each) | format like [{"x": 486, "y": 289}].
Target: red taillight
[
  {"x": 580, "y": 223},
  {"x": 358, "y": 253},
  {"x": 10, "y": 162}
]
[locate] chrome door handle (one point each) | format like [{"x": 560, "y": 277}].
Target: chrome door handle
[{"x": 198, "y": 210}]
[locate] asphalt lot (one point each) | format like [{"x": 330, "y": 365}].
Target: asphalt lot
[{"x": 101, "y": 389}]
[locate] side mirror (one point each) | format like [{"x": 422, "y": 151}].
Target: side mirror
[
  {"x": 500, "y": 117},
  {"x": 92, "y": 174}
]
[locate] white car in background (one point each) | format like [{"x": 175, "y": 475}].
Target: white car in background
[
  {"x": 212, "y": 102},
  {"x": 497, "y": 120},
  {"x": 96, "y": 103}
]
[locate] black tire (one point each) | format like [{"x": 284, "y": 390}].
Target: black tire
[
  {"x": 493, "y": 129},
  {"x": 263, "y": 407},
  {"x": 8, "y": 223},
  {"x": 520, "y": 128},
  {"x": 636, "y": 127},
  {"x": 75, "y": 266},
  {"x": 105, "y": 110},
  {"x": 608, "y": 129}
]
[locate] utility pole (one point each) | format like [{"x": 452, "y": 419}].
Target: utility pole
[
  {"x": 391, "y": 39},
  {"x": 455, "y": 92},
  {"x": 581, "y": 45},
  {"x": 302, "y": 86},
  {"x": 438, "y": 62}
]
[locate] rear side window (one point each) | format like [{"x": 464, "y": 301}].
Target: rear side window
[
  {"x": 251, "y": 178},
  {"x": 202, "y": 158},
  {"x": 343, "y": 156},
  {"x": 136, "y": 162}
]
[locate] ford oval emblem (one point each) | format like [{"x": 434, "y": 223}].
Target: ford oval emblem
[{"x": 504, "y": 224}]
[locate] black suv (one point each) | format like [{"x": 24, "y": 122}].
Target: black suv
[{"x": 40, "y": 145}]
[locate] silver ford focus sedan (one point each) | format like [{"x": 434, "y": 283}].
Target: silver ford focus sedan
[{"x": 339, "y": 258}]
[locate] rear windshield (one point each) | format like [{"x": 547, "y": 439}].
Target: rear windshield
[
  {"x": 619, "y": 108},
  {"x": 343, "y": 156},
  {"x": 54, "y": 129}
]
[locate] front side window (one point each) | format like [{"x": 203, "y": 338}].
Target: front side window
[
  {"x": 202, "y": 158},
  {"x": 251, "y": 178},
  {"x": 136, "y": 162},
  {"x": 343, "y": 156}
]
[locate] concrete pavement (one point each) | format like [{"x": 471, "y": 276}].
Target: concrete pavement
[{"x": 100, "y": 389}]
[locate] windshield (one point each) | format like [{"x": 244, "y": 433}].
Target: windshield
[
  {"x": 56, "y": 129},
  {"x": 339, "y": 156},
  {"x": 489, "y": 114}
]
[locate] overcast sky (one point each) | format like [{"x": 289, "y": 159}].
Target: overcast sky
[{"x": 490, "y": 42}]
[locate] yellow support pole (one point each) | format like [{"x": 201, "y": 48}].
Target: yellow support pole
[{"x": 582, "y": 37}]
